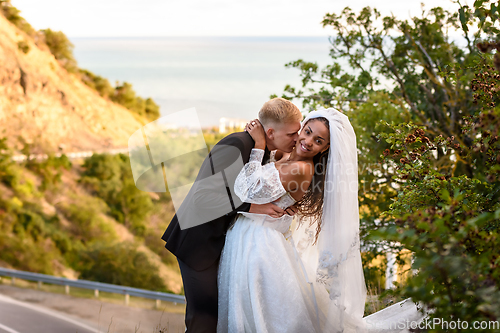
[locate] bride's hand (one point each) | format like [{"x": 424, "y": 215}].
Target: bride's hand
[{"x": 256, "y": 131}]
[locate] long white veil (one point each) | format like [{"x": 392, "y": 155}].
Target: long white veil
[{"x": 333, "y": 264}]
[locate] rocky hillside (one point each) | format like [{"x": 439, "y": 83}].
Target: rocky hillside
[
  {"x": 82, "y": 220},
  {"x": 49, "y": 107}
]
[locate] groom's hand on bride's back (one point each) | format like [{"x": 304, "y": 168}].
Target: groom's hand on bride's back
[
  {"x": 292, "y": 210},
  {"x": 267, "y": 209},
  {"x": 272, "y": 210}
]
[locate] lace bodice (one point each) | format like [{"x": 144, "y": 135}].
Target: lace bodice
[{"x": 259, "y": 184}]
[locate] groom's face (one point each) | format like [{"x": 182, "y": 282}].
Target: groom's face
[{"x": 285, "y": 136}]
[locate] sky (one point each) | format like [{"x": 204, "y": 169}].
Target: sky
[{"x": 132, "y": 18}]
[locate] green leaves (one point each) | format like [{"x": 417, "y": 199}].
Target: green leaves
[
  {"x": 120, "y": 264},
  {"x": 464, "y": 19},
  {"x": 428, "y": 141},
  {"x": 445, "y": 195},
  {"x": 110, "y": 178}
]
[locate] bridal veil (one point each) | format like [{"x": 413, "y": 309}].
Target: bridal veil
[{"x": 333, "y": 263}]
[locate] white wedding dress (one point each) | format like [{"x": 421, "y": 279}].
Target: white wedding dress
[{"x": 262, "y": 283}]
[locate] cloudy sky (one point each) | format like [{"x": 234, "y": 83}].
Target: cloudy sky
[{"x": 127, "y": 18}]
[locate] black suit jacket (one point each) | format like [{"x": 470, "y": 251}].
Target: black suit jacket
[{"x": 200, "y": 246}]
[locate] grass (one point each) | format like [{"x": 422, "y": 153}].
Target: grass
[{"x": 138, "y": 302}]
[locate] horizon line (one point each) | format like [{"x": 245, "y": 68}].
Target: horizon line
[{"x": 209, "y": 36}]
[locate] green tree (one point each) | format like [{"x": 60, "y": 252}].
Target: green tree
[
  {"x": 388, "y": 68},
  {"x": 436, "y": 189}
]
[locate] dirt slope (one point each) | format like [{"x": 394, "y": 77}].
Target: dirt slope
[{"x": 42, "y": 102}]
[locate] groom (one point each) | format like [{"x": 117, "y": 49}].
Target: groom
[{"x": 198, "y": 248}]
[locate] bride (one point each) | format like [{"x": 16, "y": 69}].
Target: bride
[{"x": 275, "y": 277}]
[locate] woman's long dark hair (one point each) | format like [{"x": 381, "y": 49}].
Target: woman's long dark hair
[{"x": 311, "y": 204}]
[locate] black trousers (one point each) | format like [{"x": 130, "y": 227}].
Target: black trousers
[{"x": 200, "y": 289}]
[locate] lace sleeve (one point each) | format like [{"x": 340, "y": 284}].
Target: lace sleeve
[{"x": 257, "y": 183}]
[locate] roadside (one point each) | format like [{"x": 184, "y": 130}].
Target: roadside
[{"x": 106, "y": 315}]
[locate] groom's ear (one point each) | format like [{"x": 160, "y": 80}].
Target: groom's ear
[{"x": 270, "y": 133}]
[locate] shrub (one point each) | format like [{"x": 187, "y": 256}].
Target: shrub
[
  {"x": 450, "y": 222},
  {"x": 120, "y": 264},
  {"x": 23, "y": 47},
  {"x": 50, "y": 170},
  {"x": 87, "y": 224},
  {"x": 61, "y": 47},
  {"x": 122, "y": 94},
  {"x": 100, "y": 84},
  {"x": 110, "y": 178},
  {"x": 25, "y": 253},
  {"x": 25, "y": 238},
  {"x": 11, "y": 175},
  {"x": 125, "y": 95}
]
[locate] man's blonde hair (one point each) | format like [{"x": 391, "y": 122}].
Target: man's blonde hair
[{"x": 278, "y": 111}]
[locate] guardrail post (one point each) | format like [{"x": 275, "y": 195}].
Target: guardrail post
[
  {"x": 66, "y": 289},
  {"x": 158, "y": 303},
  {"x": 127, "y": 299},
  {"x": 39, "y": 285},
  {"x": 13, "y": 281},
  {"x": 96, "y": 293}
]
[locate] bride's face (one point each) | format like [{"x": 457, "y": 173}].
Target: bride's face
[{"x": 313, "y": 139}]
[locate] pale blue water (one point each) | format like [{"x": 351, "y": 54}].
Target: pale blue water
[{"x": 219, "y": 76}]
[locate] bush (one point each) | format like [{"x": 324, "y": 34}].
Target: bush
[
  {"x": 61, "y": 47},
  {"x": 11, "y": 175},
  {"x": 23, "y": 47},
  {"x": 125, "y": 95},
  {"x": 86, "y": 223},
  {"x": 120, "y": 264},
  {"x": 50, "y": 170},
  {"x": 25, "y": 241},
  {"x": 450, "y": 222},
  {"x": 100, "y": 84},
  {"x": 27, "y": 254},
  {"x": 110, "y": 178},
  {"x": 122, "y": 94}
]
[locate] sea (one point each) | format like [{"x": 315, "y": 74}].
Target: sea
[{"x": 218, "y": 76}]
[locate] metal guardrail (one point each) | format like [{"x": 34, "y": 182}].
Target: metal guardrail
[{"x": 96, "y": 286}]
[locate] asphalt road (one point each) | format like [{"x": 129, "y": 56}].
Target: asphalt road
[{"x": 21, "y": 317}]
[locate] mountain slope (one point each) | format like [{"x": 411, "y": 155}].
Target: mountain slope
[{"x": 47, "y": 106}]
